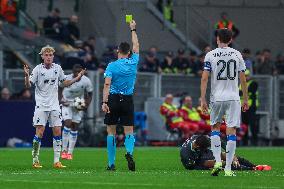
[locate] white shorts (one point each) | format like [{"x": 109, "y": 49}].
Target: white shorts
[
  {"x": 69, "y": 112},
  {"x": 230, "y": 110},
  {"x": 53, "y": 117}
]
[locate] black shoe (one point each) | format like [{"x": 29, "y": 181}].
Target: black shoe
[
  {"x": 111, "y": 168},
  {"x": 131, "y": 163}
]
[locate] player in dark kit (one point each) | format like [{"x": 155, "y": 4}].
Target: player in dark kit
[{"x": 195, "y": 154}]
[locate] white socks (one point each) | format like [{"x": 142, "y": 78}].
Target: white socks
[
  {"x": 69, "y": 139},
  {"x": 65, "y": 138},
  {"x": 216, "y": 145},
  {"x": 72, "y": 141},
  {"x": 57, "y": 142},
  {"x": 230, "y": 151}
]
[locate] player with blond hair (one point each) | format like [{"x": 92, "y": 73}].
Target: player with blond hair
[{"x": 46, "y": 78}]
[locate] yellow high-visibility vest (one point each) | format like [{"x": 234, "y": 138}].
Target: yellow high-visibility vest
[
  {"x": 250, "y": 100},
  {"x": 192, "y": 113},
  {"x": 174, "y": 119}
]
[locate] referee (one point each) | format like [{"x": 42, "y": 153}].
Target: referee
[{"x": 120, "y": 77}]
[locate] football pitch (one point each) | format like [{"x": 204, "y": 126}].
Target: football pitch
[{"x": 157, "y": 167}]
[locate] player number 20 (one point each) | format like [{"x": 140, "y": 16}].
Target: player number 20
[{"x": 227, "y": 65}]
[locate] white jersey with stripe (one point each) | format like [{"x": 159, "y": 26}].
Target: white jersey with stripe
[
  {"x": 77, "y": 89},
  {"x": 225, "y": 64},
  {"x": 46, "y": 83}
]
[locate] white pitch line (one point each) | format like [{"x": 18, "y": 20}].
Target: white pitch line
[
  {"x": 135, "y": 184},
  {"x": 49, "y": 173}
]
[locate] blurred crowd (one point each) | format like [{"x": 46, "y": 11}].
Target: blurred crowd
[
  {"x": 182, "y": 62},
  {"x": 76, "y": 50},
  {"x": 172, "y": 62},
  {"x": 6, "y": 95},
  {"x": 67, "y": 32}
]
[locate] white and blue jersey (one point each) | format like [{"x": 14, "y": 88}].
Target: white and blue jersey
[
  {"x": 224, "y": 64},
  {"x": 46, "y": 83},
  {"x": 123, "y": 75},
  {"x": 77, "y": 89}
]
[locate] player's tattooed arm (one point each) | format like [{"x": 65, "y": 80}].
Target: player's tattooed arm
[
  {"x": 27, "y": 76},
  {"x": 67, "y": 83},
  {"x": 203, "y": 87},
  {"x": 134, "y": 37},
  {"x": 106, "y": 89}
]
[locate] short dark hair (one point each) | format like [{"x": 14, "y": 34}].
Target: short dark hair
[
  {"x": 224, "y": 35},
  {"x": 246, "y": 50},
  {"x": 170, "y": 54},
  {"x": 57, "y": 10},
  {"x": 201, "y": 55},
  {"x": 224, "y": 14},
  {"x": 202, "y": 142},
  {"x": 77, "y": 66},
  {"x": 124, "y": 48},
  {"x": 266, "y": 50},
  {"x": 258, "y": 53},
  {"x": 92, "y": 37},
  {"x": 193, "y": 53},
  {"x": 180, "y": 51}
]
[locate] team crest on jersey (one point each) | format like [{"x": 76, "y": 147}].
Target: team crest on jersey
[
  {"x": 55, "y": 71},
  {"x": 42, "y": 74}
]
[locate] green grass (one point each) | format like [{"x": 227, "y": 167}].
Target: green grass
[{"x": 156, "y": 168}]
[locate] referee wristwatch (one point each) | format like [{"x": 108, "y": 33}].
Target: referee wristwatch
[
  {"x": 104, "y": 102},
  {"x": 133, "y": 30}
]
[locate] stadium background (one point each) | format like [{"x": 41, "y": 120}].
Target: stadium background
[
  {"x": 260, "y": 23},
  {"x": 261, "y": 27}
]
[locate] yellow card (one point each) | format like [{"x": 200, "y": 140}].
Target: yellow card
[{"x": 128, "y": 18}]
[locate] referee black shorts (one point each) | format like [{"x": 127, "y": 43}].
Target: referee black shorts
[{"x": 121, "y": 110}]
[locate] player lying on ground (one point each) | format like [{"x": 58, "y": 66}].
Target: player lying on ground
[
  {"x": 195, "y": 154},
  {"x": 46, "y": 77},
  {"x": 72, "y": 114}
]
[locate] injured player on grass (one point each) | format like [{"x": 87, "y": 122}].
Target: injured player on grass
[{"x": 196, "y": 154}]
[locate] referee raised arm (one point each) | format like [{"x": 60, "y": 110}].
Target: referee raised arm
[{"x": 120, "y": 77}]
